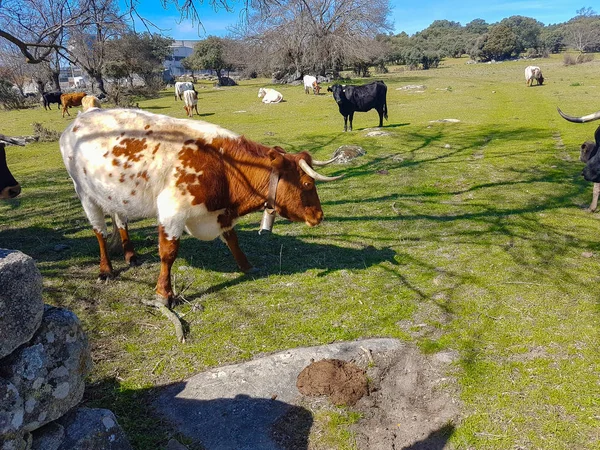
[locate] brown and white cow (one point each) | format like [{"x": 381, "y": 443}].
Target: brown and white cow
[
  {"x": 533, "y": 73},
  {"x": 9, "y": 187},
  {"x": 69, "y": 100},
  {"x": 190, "y": 102},
  {"x": 192, "y": 175}
]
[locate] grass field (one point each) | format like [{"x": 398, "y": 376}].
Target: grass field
[{"x": 471, "y": 236}]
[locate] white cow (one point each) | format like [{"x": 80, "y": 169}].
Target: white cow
[
  {"x": 310, "y": 82},
  {"x": 190, "y": 100},
  {"x": 181, "y": 87},
  {"x": 533, "y": 73},
  {"x": 269, "y": 95}
]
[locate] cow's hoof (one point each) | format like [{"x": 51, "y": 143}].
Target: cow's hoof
[
  {"x": 251, "y": 271},
  {"x": 105, "y": 277},
  {"x": 134, "y": 261},
  {"x": 166, "y": 301}
]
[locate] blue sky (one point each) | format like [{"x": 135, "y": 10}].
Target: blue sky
[{"x": 408, "y": 16}]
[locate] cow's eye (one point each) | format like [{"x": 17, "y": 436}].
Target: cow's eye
[{"x": 307, "y": 185}]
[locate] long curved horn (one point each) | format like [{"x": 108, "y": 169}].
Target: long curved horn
[
  {"x": 324, "y": 163},
  {"x": 317, "y": 176},
  {"x": 581, "y": 119}
]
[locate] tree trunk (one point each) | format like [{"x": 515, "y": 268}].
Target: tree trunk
[
  {"x": 100, "y": 82},
  {"x": 40, "y": 86},
  {"x": 55, "y": 80}
]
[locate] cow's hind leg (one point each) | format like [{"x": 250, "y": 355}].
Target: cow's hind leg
[
  {"x": 96, "y": 217},
  {"x": 380, "y": 111},
  {"x": 231, "y": 239},
  {"x": 128, "y": 250}
]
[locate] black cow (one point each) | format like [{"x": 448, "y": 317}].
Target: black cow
[
  {"x": 51, "y": 97},
  {"x": 9, "y": 187},
  {"x": 360, "y": 98},
  {"x": 591, "y": 172}
]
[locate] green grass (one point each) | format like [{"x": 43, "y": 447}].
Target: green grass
[{"x": 476, "y": 229}]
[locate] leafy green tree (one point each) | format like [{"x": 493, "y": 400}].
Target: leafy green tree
[
  {"x": 501, "y": 43},
  {"x": 552, "y": 38},
  {"x": 209, "y": 54},
  {"x": 477, "y": 26},
  {"x": 141, "y": 54},
  {"x": 526, "y": 30}
]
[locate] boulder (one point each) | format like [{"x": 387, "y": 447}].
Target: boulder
[
  {"x": 48, "y": 372},
  {"x": 49, "y": 437},
  {"x": 92, "y": 428},
  {"x": 347, "y": 153},
  {"x": 21, "y": 304}
]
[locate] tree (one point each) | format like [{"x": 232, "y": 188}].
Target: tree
[
  {"x": 137, "y": 54},
  {"x": 501, "y": 43},
  {"x": 526, "y": 30},
  {"x": 582, "y": 33},
  {"x": 209, "y": 54},
  {"x": 313, "y": 36}
]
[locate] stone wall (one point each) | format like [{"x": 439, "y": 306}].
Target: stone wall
[{"x": 44, "y": 358}]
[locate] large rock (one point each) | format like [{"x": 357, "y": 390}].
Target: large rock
[
  {"x": 11, "y": 417},
  {"x": 48, "y": 372},
  {"x": 21, "y": 304},
  {"x": 82, "y": 429}
]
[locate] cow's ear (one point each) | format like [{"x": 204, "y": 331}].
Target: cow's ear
[{"x": 277, "y": 159}]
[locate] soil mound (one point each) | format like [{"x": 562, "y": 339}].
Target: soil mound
[{"x": 344, "y": 382}]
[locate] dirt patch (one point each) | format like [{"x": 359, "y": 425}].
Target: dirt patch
[
  {"x": 344, "y": 382},
  {"x": 413, "y": 402}
]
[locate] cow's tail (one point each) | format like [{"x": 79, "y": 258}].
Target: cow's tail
[
  {"x": 114, "y": 242},
  {"x": 385, "y": 110}
]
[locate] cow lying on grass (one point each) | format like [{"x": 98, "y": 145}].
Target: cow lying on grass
[
  {"x": 192, "y": 175},
  {"x": 269, "y": 95}
]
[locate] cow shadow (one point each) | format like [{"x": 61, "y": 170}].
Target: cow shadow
[{"x": 274, "y": 253}]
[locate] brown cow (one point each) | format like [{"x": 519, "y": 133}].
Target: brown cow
[
  {"x": 9, "y": 187},
  {"x": 193, "y": 175},
  {"x": 69, "y": 100}
]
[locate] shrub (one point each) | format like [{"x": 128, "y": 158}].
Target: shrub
[
  {"x": 10, "y": 98},
  {"x": 44, "y": 134}
]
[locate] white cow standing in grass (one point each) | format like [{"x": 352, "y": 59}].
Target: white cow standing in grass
[
  {"x": 533, "y": 73},
  {"x": 269, "y": 95},
  {"x": 181, "y": 87},
  {"x": 311, "y": 83},
  {"x": 190, "y": 100}
]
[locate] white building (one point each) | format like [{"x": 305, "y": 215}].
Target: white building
[{"x": 180, "y": 49}]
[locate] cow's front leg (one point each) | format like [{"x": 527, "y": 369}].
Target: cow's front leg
[
  {"x": 595, "y": 195},
  {"x": 231, "y": 239},
  {"x": 345, "y": 123},
  {"x": 167, "y": 249},
  {"x": 351, "y": 118}
]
